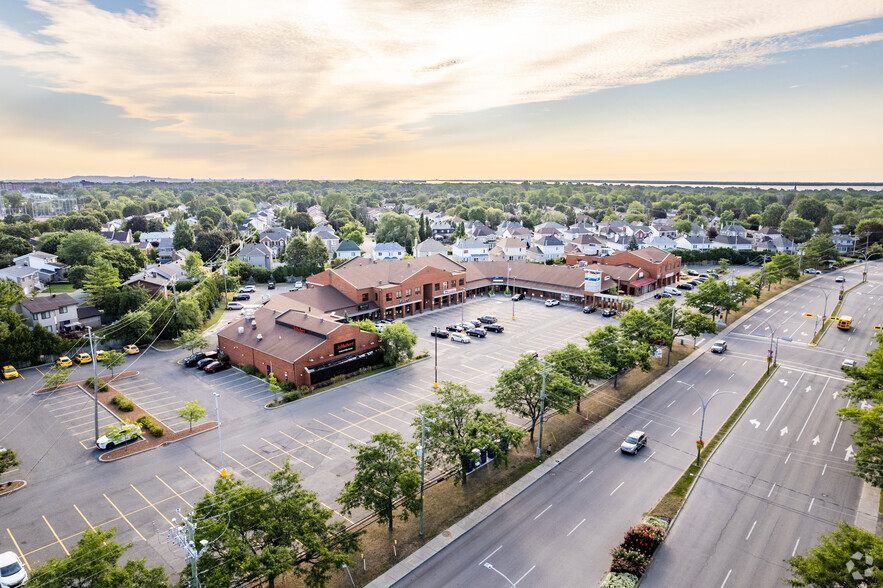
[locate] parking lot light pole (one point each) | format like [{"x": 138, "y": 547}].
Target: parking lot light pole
[
  {"x": 435, "y": 384},
  {"x": 422, "y": 454},
  {"x": 704, "y": 406},
  {"x": 94, "y": 380},
  {"x": 220, "y": 444},
  {"x": 488, "y": 565},
  {"x": 543, "y": 405}
]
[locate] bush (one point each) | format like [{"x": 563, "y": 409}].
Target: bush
[
  {"x": 90, "y": 384},
  {"x": 618, "y": 580},
  {"x": 291, "y": 395},
  {"x": 252, "y": 371},
  {"x": 643, "y": 538},
  {"x": 629, "y": 562},
  {"x": 123, "y": 403},
  {"x": 657, "y": 522},
  {"x": 223, "y": 358},
  {"x": 148, "y": 423}
]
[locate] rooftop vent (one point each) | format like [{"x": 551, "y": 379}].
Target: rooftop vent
[
  {"x": 241, "y": 330},
  {"x": 260, "y": 336},
  {"x": 254, "y": 325}
]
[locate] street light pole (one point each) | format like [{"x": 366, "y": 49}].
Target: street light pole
[
  {"x": 542, "y": 407},
  {"x": 488, "y": 565},
  {"x": 220, "y": 443},
  {"x": 422, "y": 454},
  {"x": 673, "y": 308},
  {"x": 704, "y": 406},
  {"x": 435, "y": 384}
]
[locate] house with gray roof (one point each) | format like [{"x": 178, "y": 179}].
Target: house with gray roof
[
  {"x": 387, "y": 251},
  {"x": 51, "y": 270},
  {"x": 256, "y": 254},
  {"x": 470, "y": 250},
  {"x": 26, "y": 277},
  {"x": 430, "y": 247},
  {"x": 693, "y": 243},
  {"x": 52, "y": 311}
]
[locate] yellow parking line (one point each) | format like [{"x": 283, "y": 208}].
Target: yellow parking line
[
  {"x": 408, "y": 393},
  {"x": 194, "y": 479},
  {"x": 151, "y": 504},
  {"x": 266, "y": 459},
  {"x": 386, "y": 412},
  {"x": 14, "y": 542},
  {"x": 84, "y": 517},
  {"x": 173, "y": 491},
  {"x": 325, "y": 438},
  {"x": 134, "y": 528},
  {"x": 54, "y": 534},
  {"x": 288, "y": 453},
  {"x": 351, "y": 424},
  {"x": 305, "y": 446},
  {"x": 368, "y": 418},
  {"x": 217, "y": 471},
  {"x": 340, "y": 514},
  {"x": 339, "y": 431},
  {"x": 248, "y": 468}
]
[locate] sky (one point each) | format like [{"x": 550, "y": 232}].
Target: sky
[{"x": 669, "y": 90}]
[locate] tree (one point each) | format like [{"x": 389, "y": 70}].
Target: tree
[
  {"x": 772, "y": 215},
  {"x": 193, "y": 266},
  {"x": 126, "y": 260},
  {"x": 295, "y": 255},
  {"x": 317, "y": 254},
  {"x": 300, "y": 221},
  {"x": 518, "y": 390},
  {"x": 786, "y": 264},
  {"x": 633, "y": 244},
  {"x": 56, "y": 377},
  {"x": 255, "y": 532},
  {"x": 646, "y": 327},
  {"x": 609, "y": 345},
  {"x": 398, "y": 341},
  {"x": 101, "y": 280},
  {"x": 455, "y": 426},
  {"x": 94, "y": 562},
  {"x": 819, "y": 249},
  {"x": 79, "y": 245},
  {"x": 771, "y": 275},
  {"x": 210, "y": 244},
  {"x": 578, "y": 365},
  {"x": 366, "y": 325},
  {"x": 797, "y": 229},
  {"x": 459, "y": 231},
  {"x": 812, "y": 210},
  {"x": 396, "y": 228},
  {"x": 10, "y": 292},
  {"x": 825, "y": 563},
  {"x": 191, "y": 412},
  {"x": 191, "y": 340},
  {"x": 386, "y": 473},
  {"x": 683, "y": 226},
  {"x": 183, "y": 237},
  {"x": 825, "y": 227},
  {"x": 866, "y": 389},
  {"x": 8, "y": 460},
  {"x": 112, "y": 359}
]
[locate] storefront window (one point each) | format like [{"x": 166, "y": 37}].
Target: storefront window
[
  {"x": 417, "y": 290},
  {"x": 388, "y": 296},
  {"x": 399, "y": 295}
]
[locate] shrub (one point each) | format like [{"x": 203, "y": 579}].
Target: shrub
[
  {"x": 643, "y": 538},
  {"x": 90, "y": 384},
  {"x": 618, "y": 580},
  {"x": 252, "y": 371},
  {"x": 223, "y": 358},
  {"x": 148, "y": 423},
  {"x": 657, "y": 522},
  {"x": 123, "y": 403},
  {"x": 291, "y": 395},
  {"x": 629, "y": 562}
]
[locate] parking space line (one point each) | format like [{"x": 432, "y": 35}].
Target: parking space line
[
  {"x": 54, "y": 534},
  {"x": 14, "y": 542},
  {"x": 391, "y": 406},
  {"x": 245, "y": 384},
  {"x": 152, "y": 505},
  {"x": 389, "y": 410},
  {"x": 194, "y": 479},
  {"x": 408, "y": 393},
  {"x": 124, "y": 518},
  {"x": 344, "y": 433},
  {"x": 79, "y": 398},
  {"x": 340, "y": 514},
  {"x": 248, "y": 468},
  {"x": 174, "y": 491},
  {"x": 286, "y": 452},
  {"x": 352, "y": 424},
  {"x": 153, "y": 408},
  {"x": 79, "y": 512},
  {"x": 258, "y": 393},
  {"x": 217, "y": 471},
  {"x": 372, "y": 419},
  {"x": 305, "y": 446},
  {"x": 325, "y": 438}
]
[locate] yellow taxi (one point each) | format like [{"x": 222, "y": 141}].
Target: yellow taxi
[
  {"x": 130, "y": 349},
  {"x": 63, "y": 361},
  {"x": 82, "y": 358},
  {"x": 9, "y": 372},
  {"x": 100, "y": 355}
]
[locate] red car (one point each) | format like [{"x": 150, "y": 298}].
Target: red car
[{"x": 216, "y": 366}]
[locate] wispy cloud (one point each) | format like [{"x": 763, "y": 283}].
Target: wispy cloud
[{"x": 308, "y": 77}]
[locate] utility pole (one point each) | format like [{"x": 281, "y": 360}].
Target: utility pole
[
  {"x": 94, "y": 380},
  {"x": 224, "y": 269},
  {"x": 182, "y": 536},
  {"x": 672, "y": 326},
  {"x": 542, "y": 407},
  {"x": 422, "y": 454}
]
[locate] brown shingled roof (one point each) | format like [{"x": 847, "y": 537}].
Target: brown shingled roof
[
  {"x": 363, "y": 273},
  {"x": 47, "y": 303}
]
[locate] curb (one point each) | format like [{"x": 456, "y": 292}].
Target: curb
[
  {"x": 157, "y": 446},
  {"x": 14, "y": 490}
]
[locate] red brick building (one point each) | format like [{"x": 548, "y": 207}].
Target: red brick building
[{"x": 658, "y": 268}]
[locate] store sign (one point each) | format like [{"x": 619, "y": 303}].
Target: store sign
[
  {"x": 498, "y": 280},
  {"x": 344, "y": 347},
  {"x": 592, "y": 281},
  {"x": 363, "y": 306},
  {"x": 451, "y": 291}
]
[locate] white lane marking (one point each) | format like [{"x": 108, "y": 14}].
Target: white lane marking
[
  {"x": 490, "y": 554},
  {"x": 824, "y": 468},
  {"x": 651, "y": 455},
  {"x": 744, "y": 362},
  {"x": 708, "y": 372},
  {"x": 838, "y": 428},
  {"x": 617, "y": 488},
  {"x": 670, "y": 403},
  {"x": 587, "y": 475},
  {"x": 648, "y": 423},
  {"x": 697, "y": 410},
  {"x": 731, "y": 377},
  {"x": 576, "y": 527},
  {"x": 770, "y": 493},
  {"x": 750, "y": 530},
  {"x": 784, "y": 401},
  {"x": 813, "y": 410},
  {"x": 541, "y": 514},
  {"x": 522, "y": 577},
  {"x": 787, "y": 458},
  {"x": 675, "y": 431},
  {"x": 811, "y": 502},
  {"x": 794, "y": 551},
  {"x": 727, "y": 578}
]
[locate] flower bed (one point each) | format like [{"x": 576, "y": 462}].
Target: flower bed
[{"x": 631, "y": 557}]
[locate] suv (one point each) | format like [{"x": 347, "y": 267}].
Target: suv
[
  {"x": 608, "y": 312},
  {"x": 719, "y": 347},
  {"x": 692, "y": 272},
  {"x": 519, "y": 296},
  {"x": 552, "y": 302},
  {"x": 840, "y": 279},
  {"x": 633, "y": 442},
  {"x": 247, "y": 289},
  {"x": 191, "y": 361},
  {"x": 589, "y": 309},
  {"x": 234, "y": 306},
  {"x": 241, "y": 297},
  {"x": 494, "y": 328},
  {"x": 461, "y": 338},
  {"x": 453, "y": 328},
  {"x": 202, "y": 363},
  {"x": 271, "y": 285},
  {"x": 487, "y": 319},
  {"x": 476, "y": 332},
  {"x": 684, "y": 287}
]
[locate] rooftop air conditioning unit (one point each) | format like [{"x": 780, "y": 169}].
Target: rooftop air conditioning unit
[
  {"x": 260, "y": 336},
  {"x": 241, "y": 330}
]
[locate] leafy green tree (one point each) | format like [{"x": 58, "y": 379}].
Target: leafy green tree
[
  {"x": 819, "y": 249},
  {"x": 866, "y": 389},
  {"x": 193, "y": 266},
  {"x": 94, "y": 563},
  {"x": 772, "y": 215},
  {"x": 797, "y": 229},
  {"x": 101, "y": 280},
  {"x": 647, "y": 327},
  {"x": 386, "y": 474},
  {"x": 786, "y": 264},
  {"x": 459, "y": 231},
  {"x": 317, "y": 254},
  {"x": 609, "y": 345},
  {"x": 79, "y": 245},
  {"x": 119, "y": 258},
  {"x": 56, "y": 377},
  {"x": 49, "y": 242},
  {"x": 683, "y": 226},
  {"x": 334, "y": 201},
  {"x": 187, "y": 316},
  {"x": 812, "y": 210},
  {"x": 183, "y": 236},
  {"x": 296, "y": 252},
  {"x": 518, "y": 390},
  {"x": 300, "y": 221},
  {"x": 133, "y": 325},
  {"x": 398, "y": 341},
  {"x": 825, "y": 227},
  {"x": 771, "y": 275},
  {"x": 191, "y": 340},
  {"x": 113, "y": 359},
  {"x": 455, "y": 426},
  {"x": 579, "y": 366},
  {"x": 8, "y": 460},
  {"x": 191, "y": 412},
  {"x": 10, "y": 292},
  {"x": 210, "y": 244},
  {"x": 396, "y": 228},
  {"x": 366, "y": 325},
  {"x": 254, "y": 533},
  {"x": 825, "y": 563}
]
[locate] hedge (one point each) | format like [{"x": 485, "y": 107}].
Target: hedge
[
  {"x": 148, "y": 423},
  {"x": 102, "y": 385},
  {"x": 618, "y": 580},
  {"x": 123, "y": 403}
]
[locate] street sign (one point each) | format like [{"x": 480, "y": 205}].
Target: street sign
[
  {"x": 876, "y": 328},
  {"x": 808, "y": 314},
  {"x": 833, "y": 318}
]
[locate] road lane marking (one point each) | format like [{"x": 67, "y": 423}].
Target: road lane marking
[
  {"x": 784, "y": 401},
  {"x": 543, "y": 512},
  {"x": 14, "y": 542},
  {"x": 824, "y": 468},
  {"x": 151, "y": 504},
  {"x": 354, "y": 424},
  {"x": 79, "y": 512},
  {"x": 648, "y": 424},
  {"x": 727, "y": 578},
  {"x": 587, "y": 475},
  {"x": 134, "y": 528},
  {"x": 838, "y": 428},
  {"x": 522, "y": 577},
  {"x": 670, "y": 403},
  {"x": 697, "y": 410},
  {"x": 54, "y": 534},
  {"x": 770, "y": 493},
  {"x": 708, "y": 372},
  {"x": 787, "y": 458},
  {"x": 372, "y": 419},
  {"x": 490, "y": 554},
  {"x": 651, "y": 455},
  {"x": 811, "y": 502},
  {"x": 794, "y": 551},
  {"x": 750, "y": 530},
  {"x": 576, "y": 527},
  {"x": 337, "y": 513},
  {"x": 617, "y": 488},
  {"x": 731, "y": 377},
  {"x": 744, "y": 362},
  {"x": 806, "y": 422},
  {"x": 675, "y": 431}
]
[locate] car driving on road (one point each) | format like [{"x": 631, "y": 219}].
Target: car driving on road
[
  {"x": 634, "y": 442},
  {"x": 719, "y": 347},
  {"x": 840, "y": 279}
]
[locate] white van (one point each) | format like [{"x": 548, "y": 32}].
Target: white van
[{"x": 672, "y": 291}]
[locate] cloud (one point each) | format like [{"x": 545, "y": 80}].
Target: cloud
[
  {"x": 306, "y": 77},
  {"x": 852, "y": 41}
]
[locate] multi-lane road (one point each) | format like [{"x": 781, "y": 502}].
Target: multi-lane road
[{"x": 779, "y": 480}]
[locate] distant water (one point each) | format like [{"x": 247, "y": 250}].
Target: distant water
[{"x": 875, "y": 186}]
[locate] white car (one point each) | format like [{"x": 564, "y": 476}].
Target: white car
[
  {"x": 813, "y": 271},
  {"x": 12, "y": 570},
  {"x": 246, "y": 289},
  {"x": 552, "y": 302},
  {"x": 847, "y": 363},
  {"x": 127, "y": 433},
  {"x": 840, "y": 279},
  {"x": 460, "y": 338},
  {"x": 234, "y": 306}
]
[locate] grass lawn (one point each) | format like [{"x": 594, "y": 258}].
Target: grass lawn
[
  {"x": 216, "y": 316},
  {"x": 56, "y": 288}
]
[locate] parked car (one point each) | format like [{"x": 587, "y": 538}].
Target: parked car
[
  {"x": 692, "y": 272},
  {"x": 234, "y": 306},
  {"x": 453, "y": 328},
  {"x": 193, "y": 359},
  {"x": 685, "y": 287},
  {"x": 476, "y": 332},
  {"x": 633, "y": 442},
  {"x": 672, "y": 291},
  {"x": 487, "y": 319},
  {"x": 216, "y": 366},
  {"x": 131, "y": 349},
  {"x": 847, "y": 363},
  {"x": 719, "y": 346},
  {"x": 298, "y": 285},
  {"x": 608, "y": 312},
  {"x": 9, "y": 372},
  {"x": 63, "y": 361},
  {"x": 82, "y": 358},
  {"x": 271, "y": 285},
  {"x": 439, "y": 334},
  {"x": 12, "y": 570},
  {"x": 700, "y": 280},
  {"x": 703, "y": 275},
  {"x": 461, "y": 338},
  {"x": 247, "y": 289},
  {"x": 241, "y": 297},
  {"x": 100, "y": 355},
  {"x": 129, "y": 432},
  {"x": 519, "y": 296},
  {"x": 713, "y": 275},
  {"x": 202, "y": 363},
  {"x": 589, "y": 309},
  {"x": 813, "y": 271},
  {"x": 552, "y": 302},
  {"x": 659, "y": 295},
  {"x": 494, "y": 328},
  {"x": 840, "y": 279}
]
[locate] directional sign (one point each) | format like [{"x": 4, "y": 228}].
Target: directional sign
[
  {"x": 808, "y": 314},
  {"x": 808, "y": 389},
  {"x": 784, "y": 382},
  {"x": 816, "y": 440},
  {"x": 755, "y": 422},
  {"x": 849, "y": 453},
  {"x": 783, "y": 431},
  {"x": 835, "y": 395}
]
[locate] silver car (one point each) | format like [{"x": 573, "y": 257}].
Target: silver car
[{"x": 634, "y": 442}]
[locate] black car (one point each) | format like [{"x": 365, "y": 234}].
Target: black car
[
  {"x": 589, "y": 309},
  {"x": 476, "y": 332},
  {"x": 713, "y": 275},
  {"x": 659, "y": 295},
  {"x": 439, "y": 334},
  {"x": 200, "y": 365},
  {"x": 692, "y": 272},
  {"x": 453, "y": 328},
  {"x": 608, "y": 312},
  {"x": 193, "y": 359},
  {"x": 487, "y": 319},
  {"x": 519, "y": 296},
  {"x": 241, "y": 297},
  {"x": 271, "y": 285},
  {"x": 685, "y": 287},
  {"x": 494, "y": 328}
]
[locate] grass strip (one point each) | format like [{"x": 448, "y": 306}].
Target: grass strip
[{"x": 672, "y": 502}]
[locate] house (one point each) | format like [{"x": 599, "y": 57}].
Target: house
[
  {"x": 26, "y": 277},
  {"x": 165, "y": 253},
  {"x": 546, "y": 248},
  {"x": 155, "y": 237},
  {"x": 430, "y": 247},
  {"x": 388, "y": 251},
  {"x": 329, "y": 239},
  {"x": 764, "y": 234},
  {"x": 734, "y": 230},
  {"x": 844, "y": 243},
  {"x": 693, "y": 243},
  {"x": 639, "y": 232},
  {"x": 256, "y": 254},
  {"x": 734, "y": 242},
  {"x": 480, "y": 232},
  {"x": 118, "y": 237},
  {"x": 507, "y": 224},
  {"x": 470, "y": 250},
  {"x": 442, "y": 230},
  {"x": 275, "y": 240},
  {"x": 664, "y": 229},
  {"x": 588, "y": 244},
  {"x": 550, "y": 225},
  {"x": 157, "y": 278},
  {"x": 46, "y": 263},
  {"x": 347, "y": 250},
  {"x": 522, "y": 234},
  {"x": 696, "y": 230},
  {"x": 509, "y": 249},
  {"x": 89, "y": 316},
  {"x": 663, "y": 242},
  {"x": 775, "y": 244},
  {"x": 52, "y": 311},
  {"x": 577, "y": 229},
  {"x": 613, "y": 228}
]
